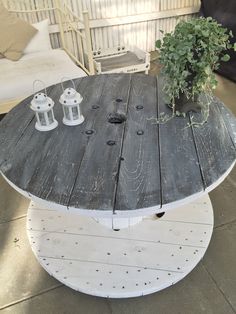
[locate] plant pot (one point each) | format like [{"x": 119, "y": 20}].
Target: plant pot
[{"x": 184, "y": 105}]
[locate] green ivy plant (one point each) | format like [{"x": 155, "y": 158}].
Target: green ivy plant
[{"x": 190, "y": 54}]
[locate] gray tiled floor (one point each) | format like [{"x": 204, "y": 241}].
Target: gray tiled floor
[{"x": 210, "y": 288}]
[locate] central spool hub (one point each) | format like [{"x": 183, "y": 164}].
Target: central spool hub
[{"x": 116, "y": 118}]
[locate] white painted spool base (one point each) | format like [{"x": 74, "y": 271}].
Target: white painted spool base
[
  {"x": 118, "y": 223},
  {"x": 139, "y": 260}
]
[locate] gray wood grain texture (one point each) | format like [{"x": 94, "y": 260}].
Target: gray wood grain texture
[
  {"x": 216, "y": 151},
  {"x": 71, "y": 167},
  {"x": 8, "y": 135},
  {"x": 96, "y": 181},
  {"x": 29, "y": 154},
  {"x": 229, "y": 120},
  {"x": 180, "y": 172},
  {"x": 139, "y": 176},
  {"x": 51, "y": 172}
]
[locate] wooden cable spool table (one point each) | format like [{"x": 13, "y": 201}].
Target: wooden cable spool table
[{"x": 91, "y": 184}]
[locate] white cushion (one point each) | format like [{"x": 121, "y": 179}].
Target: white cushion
[
  {"x": 41, "y": 40},
  {"x": 17, "y": 77}
]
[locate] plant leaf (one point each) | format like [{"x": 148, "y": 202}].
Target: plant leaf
[
  {"x": 158, "y": 43},
  {"x": 205, "y": 33},
  {"x": 225, "y": 58}
]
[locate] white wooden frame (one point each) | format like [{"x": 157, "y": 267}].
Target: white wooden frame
[
  {"x": 110, "y": 53},
  {"x": 68, "y": 22},
  {"x": 80, "y": 53}
]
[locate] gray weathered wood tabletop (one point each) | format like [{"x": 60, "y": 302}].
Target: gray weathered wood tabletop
[{"x": 104, "y": 166}]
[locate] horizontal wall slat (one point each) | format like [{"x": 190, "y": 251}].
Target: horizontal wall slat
[
  {"x": 95, "y": 23},
  {"x": 129, "y": 22},
  {"x": 116, "y": 22}
]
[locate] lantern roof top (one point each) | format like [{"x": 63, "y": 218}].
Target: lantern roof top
[
  {"x": 70, "y": 97},
  {"x": 41, "y": 102}
]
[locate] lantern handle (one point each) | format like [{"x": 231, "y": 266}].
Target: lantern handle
[
  {"x": 68, "y": 79},
  {"x": 35, "y": 81}
]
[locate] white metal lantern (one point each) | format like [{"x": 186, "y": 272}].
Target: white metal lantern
[
  {"x": 70, "y": 100},
  {"x": 42, "y": 105}
]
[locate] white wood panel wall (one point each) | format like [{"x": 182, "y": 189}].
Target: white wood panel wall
[
  {"x": 135, "y": 22},
  {"x": 117, "y": 22}
]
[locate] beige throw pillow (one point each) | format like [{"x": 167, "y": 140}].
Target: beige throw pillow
[{"x": 14, "y": 34}]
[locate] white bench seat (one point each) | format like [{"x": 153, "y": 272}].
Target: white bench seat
[{"x": 17, "y": 77}]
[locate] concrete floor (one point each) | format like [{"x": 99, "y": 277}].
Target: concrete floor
[{"x": 210, "y": 288}]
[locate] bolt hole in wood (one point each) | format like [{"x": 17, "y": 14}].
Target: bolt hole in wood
[
  {"x": 111, "y": 143},
  {"x": 116, "y": 118},
  {"x": 140, "y": 132},
  {"x": 89, "y": 132},
  {"x": 159, "y": 215},
  {"x": 139, "y": 107}
]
